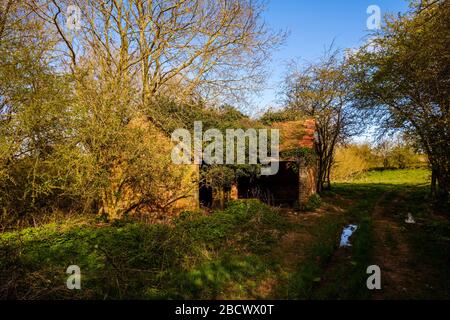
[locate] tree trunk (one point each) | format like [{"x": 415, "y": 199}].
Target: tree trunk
[{"x": 433, "y": 183}]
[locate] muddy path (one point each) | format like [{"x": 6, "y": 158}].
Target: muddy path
[
  {"x": 295, "y": 252},
  {"x": 401, "y": 278},
  {"x": 313, "y": 265}
]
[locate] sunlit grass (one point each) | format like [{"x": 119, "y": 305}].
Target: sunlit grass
[{"x": 400, "y": 176}]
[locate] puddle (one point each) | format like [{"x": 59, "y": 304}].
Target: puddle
[{"x": 346, "y": 233}]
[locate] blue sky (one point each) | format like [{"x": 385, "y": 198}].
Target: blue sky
[{"x": 313, "y": 25}]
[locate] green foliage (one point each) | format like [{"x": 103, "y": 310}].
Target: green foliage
[
  {"x": 353, "y": 160},
  {"x": 210, "y": 279},
  {"x": 193, "y": 258},
  {"x": 228, "y": 254},
  {"x": 87, "y": 135},
  {"x": 392, "y": 77},
  {"x": 302, "y": 282},
  {"x": 273, "y": 116},
  {"x": 307, "y": 155},
  {"x": 313, "y": 203}
]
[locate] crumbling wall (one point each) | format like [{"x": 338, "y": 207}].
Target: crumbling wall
[{"x": 307, "y": 181}]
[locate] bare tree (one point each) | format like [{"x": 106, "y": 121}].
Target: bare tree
[
  {"x": 320, "y": 91},
  {"x": 178, "y": 48}
]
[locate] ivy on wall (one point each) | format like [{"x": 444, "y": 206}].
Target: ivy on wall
[{"x": 297, "y": 154}]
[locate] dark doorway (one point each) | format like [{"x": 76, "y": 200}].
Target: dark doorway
[
  {"x": 281, "y": 189},
  {"x": 205, "y": 196}
]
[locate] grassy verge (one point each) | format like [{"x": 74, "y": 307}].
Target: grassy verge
[
  {"x": 327, "y": 272},
  {"x": 199, "y": 257}
]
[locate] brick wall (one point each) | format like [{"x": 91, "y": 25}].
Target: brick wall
[{"x": 307, "y": 182}]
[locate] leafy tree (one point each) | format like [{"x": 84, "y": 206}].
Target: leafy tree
[
  {"x": 35, "y": 116},
  {"x": 402, "y": 77}
]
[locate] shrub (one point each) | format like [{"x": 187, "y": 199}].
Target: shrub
[{"x": 313, "y": 203}]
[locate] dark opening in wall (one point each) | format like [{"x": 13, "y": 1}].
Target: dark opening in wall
[
  {"x": 205, "y": 196},
  {"x": 281, "y": 189}
]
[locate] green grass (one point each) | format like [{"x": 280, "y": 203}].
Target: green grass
[
  {"x": 230, "y": 253},
  {"x": 400, "y": 192},
  {"x": 404, "y": 191},
  {"x": 198, "y": 257},
  {"x": 346, "y": 277},
  {"x": 428, "y": 240},
  {"x": 300, "y": 283},
  {"x": 395, "y": 177}
]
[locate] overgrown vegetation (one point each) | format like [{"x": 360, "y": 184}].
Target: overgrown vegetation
[
  {"x": 87, "y": 179},
  {"x": 198, "y": 257},
  {"x": 248, "y": 250},
  {"x": 86, "y": 113}
]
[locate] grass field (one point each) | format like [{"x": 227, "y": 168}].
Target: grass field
[
  {"x": 395, "y": 177},
  {"x": 247, "y": 251}
]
